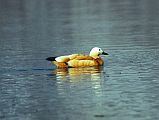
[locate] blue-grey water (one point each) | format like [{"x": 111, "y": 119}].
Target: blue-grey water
[{"x": 125, "y": 88}]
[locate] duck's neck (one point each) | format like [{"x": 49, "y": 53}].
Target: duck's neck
[{"x": 94, "y": 55}]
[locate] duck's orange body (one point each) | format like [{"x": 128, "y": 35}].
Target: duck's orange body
[{"x": 78, "y": 60}]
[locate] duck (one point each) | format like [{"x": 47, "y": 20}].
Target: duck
[{"x": 79, "y": 60}]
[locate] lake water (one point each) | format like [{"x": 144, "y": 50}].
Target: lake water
[{"x": 125, "y": 88}]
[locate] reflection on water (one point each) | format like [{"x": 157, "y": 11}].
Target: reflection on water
[
  {"x": 78, "y": 74},
  {"x": 95, "y": 75}
]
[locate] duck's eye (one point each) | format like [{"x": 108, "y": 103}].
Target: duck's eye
[{"x": 99, "y": 49}]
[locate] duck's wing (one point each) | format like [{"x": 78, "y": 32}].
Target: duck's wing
[
  {"x": 75, "y": 60},
  {"x": 82, "y": 61},
  {"x": 65, "y": 58}
]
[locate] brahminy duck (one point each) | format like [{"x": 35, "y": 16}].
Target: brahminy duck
[{"x": 79, "y": 60}]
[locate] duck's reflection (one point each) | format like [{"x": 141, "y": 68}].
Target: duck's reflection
[
  {"x": 78, "y": 74},
  {"x": 74, "y": 75}
]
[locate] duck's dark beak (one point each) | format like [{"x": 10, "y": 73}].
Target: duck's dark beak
[{"x": 104, "y": 53}]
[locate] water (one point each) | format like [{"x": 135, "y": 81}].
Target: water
[{"x": 125, "y": 88}]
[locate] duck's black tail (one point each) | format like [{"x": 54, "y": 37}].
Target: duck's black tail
[{"x": 51, "y": 58}]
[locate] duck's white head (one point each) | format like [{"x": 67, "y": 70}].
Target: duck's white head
[{"x": 96, "y": 51}]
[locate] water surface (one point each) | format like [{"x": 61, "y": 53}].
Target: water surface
[{"x": 125, "y": 88}]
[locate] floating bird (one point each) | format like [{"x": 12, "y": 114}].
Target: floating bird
[{"x": 79, "y": 60}]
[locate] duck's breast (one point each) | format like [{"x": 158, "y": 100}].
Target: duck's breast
[{"x": 100, "y": 61}]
